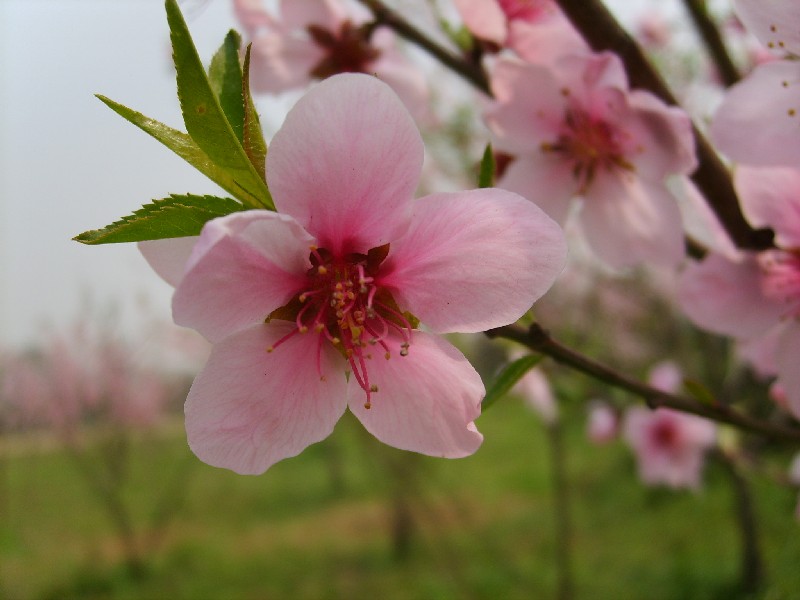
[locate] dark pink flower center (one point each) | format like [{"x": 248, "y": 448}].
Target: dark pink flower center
[
  {"x": 344, "y": 305},
  {"x": 665, "y": 434},
  {"x": 780, "y": 278},
  {"x": 590, "y": 143},
  {"x": 346, "y": 51}
]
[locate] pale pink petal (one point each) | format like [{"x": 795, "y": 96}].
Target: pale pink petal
[
  {"x": 253, "y": 16},
  {"x": 776, "y": 23},
  {"x": 761, "y": 352},
  {"x": 280, "y": 62},
  {"x": 788, "y": 358},
  {"x": 758, "y": 122},
  {"x": 770, "y": 197},
  {"x": 426, "y": 401},
  {"x": 528, "y": 109},
  {"x": 484, "y": 18},
  {"x": 725, "y": 297},
  {"x": 700, "y": 221},
  {"x": 628, "y": 220},
  {"x": 405, "y": 78},
  {"x": 474, "y": 260},
  {"x": 545, "y": 42},
  {"x": 603, "y": 425},
  {"x": 299, "y": 14},
  {"x": 248, "y": 408},
  {"x": 168, "y": 257},
  {"x": 661, "y": 141},
  {"x": 346, "y": 163},
  {"x": 244, "y": 267},
  {"x": 544, "y": 178},
  {"x": 666, "y": 376}
]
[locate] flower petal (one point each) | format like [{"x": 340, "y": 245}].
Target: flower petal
[
  {"x": 725, "y": 297},
  {"x": 168, "y": 257},
  {"x": 282, "y": 62},
  {"x": 771, "y": 198},
  {"x": 474, "y": 260},
  {"x": 544, "y": 178},
  {"x": 248, "y": 408},
  {"x": 243, "y": 267},
  {"x": 776, "y": 23},
  {"x": 628, "y": 220},
  {"x": 346, "y": 163},
  {"x": 299, "y": 14},
  {"x": 427, "y": 401},
  {"x": 484, "y": 18},
  {"x": 758, "y": 122}
]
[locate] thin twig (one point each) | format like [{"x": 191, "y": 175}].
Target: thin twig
[
  {"x": 472, "y": 72},
  {"x": 698, "y": 11},
  {"x": 602, "y": 32},
  {"x": 538, "y": 340}
]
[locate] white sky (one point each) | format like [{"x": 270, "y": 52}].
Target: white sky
[{"x": 68, "y": 163}]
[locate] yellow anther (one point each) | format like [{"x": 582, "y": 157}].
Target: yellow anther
[
  {"x": 387, "y": 356},
  {"x": 373, "y": 387},
  {"x": 319, "y": 327},
  {"x": 322, "y": 270},
  {"x": 367, "y": 404},
  {"x": 270, "y": 349},
  {"x": 302, "y": 329}
]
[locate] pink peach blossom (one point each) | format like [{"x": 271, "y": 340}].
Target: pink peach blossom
[
  {"x": 314, "y": 308},
  {"x": 536, "y": 30},
  {"x": 755, "y": 297},
  {"x": 669, "y": 445},
  {"x": 577, "y": 131},
  {"x": 314, "y": 39}
]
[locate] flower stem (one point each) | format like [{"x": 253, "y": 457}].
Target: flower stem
[
  {"x": 538, "y": 340},
  {"x": 472, "y": 72},
  {"x": 698, "y": 11}
]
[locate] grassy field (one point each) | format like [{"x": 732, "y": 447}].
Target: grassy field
[{"x": 352, "y": 519}]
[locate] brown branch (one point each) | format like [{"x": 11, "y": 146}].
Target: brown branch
[
  {"x": 472, "y": 72},
  {"x": 602, "y": 32},
  {"x": 538, "y": 340},
  {"x": 698, "y": 11}
]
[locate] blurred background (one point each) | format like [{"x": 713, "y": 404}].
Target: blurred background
[{"x": 100, "y": 496}]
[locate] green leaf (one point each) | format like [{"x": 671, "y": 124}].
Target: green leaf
[
  {"x": 204, "y": 118},
  {"x": 176, "y": 216},
  {"x": 488, "y": 167},
  {"x": 182, "y": 145},
  {"x": 253, "y": 141},
  {"x": 699, "y": 391},
  {"x": 509, "y": 376},
  {"x": 225, "y": 76}
]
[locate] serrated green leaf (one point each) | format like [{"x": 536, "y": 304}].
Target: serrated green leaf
[
  {"x": 204, "y": 118},
  {"x": 508, "y": 377},
  {"x": 176, "y": 216},
  {"x": 698, "y": 391},
  {"x": 488, "y": 168},
  {"x": 253, "y": 142},
  {"x": 225, "y": 76},
  {"x": 185, "y": 147}
]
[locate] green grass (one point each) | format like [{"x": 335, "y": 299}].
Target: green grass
[{"x": 320, "y": 525}]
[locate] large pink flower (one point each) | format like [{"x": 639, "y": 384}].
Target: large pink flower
[
  {"x": 314, "y": 39},
  {"x": 755, "y": 297},
  {"x": 335, "y": 282},
  {"x": 669, "y": 445},
  {"x": 577, "y": 130},
  {"x": 759, "y": 121}
]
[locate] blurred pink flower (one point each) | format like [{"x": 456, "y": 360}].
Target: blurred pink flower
[
  {"x": 535, "y": 390},
  {"x": 603, "y": 423},
  {"x": 755, "y": 297},
  {"x": 759, "y": 121},
  {"x": 669, "y": 445},
  {"x": 314, "y": 39},
  {"x": 577, "y": 130},
  {"x": 341, "y": 275}
]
